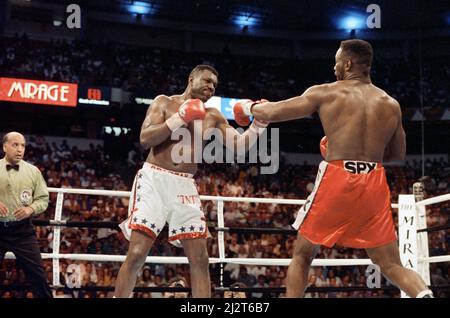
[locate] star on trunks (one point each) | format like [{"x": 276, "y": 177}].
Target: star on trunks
[
  {"x": 201, "y": 228},
  {"x": 174, "y": 231},
  {"x": 153, "y": 225},
  {"x": 192, "y": 228},
  {"x": 138, "y": 187},
  {"x": 144, "y": 221},
  {"x": 138, "y": 199},
  {"x": 158, "y": 230},
  {"x": 140, "y": 175},
  {"x": 182, "y": 229},
  {"x": 134, "y": 219}
]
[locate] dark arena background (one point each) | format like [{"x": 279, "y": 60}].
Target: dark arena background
[{"x": 77, "y": 77}]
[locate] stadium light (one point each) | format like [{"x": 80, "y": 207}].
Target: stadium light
[
  {"x": 140, "y": 7},
  {"x": 244, "y": 20},
  {"x": 352, "y": 22}
]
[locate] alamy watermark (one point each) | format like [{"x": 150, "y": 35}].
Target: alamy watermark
[
  {"x": 373, "y": 276},
  {"x": 191, "y": 147},
  {"x": 73, "y": 20},
  {"x": 374, "y": 20}
]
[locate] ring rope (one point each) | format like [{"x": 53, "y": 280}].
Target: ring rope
[
  {"x": 115, "y": 225},
  {"x": 309, "y": 289},
  {"x": 202, "y": 197},
  {"x": 56, "y": 256}
]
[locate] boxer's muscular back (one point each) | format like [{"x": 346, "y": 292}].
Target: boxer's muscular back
[{"x": 360, "y": 121}]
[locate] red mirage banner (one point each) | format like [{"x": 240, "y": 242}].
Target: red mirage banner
[{"x": 38, "y": 92}]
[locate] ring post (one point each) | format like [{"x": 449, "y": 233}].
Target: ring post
[
  {"x": 407, "y": 228},
  {"x": 220, "y": 238},
  {"x": 422, "y": 237},
  {"x": 57, "y": 238}
]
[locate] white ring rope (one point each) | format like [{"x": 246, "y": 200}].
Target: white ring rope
[
  {"x": 111, "y": 193},
  {"x": 222, "y": 258},
  {"x": 435, "y": 259},
  {"x": 212, "y": 260},
  {"x": 438, "y": 199},
  {"x": 202, "y": 197}
]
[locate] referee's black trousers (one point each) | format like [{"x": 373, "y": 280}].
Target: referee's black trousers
[{"x": 20, "y": 238}]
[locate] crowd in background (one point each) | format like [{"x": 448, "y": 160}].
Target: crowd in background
[
  {"x": 68, "y": 167},
  {"x": 151, "y": 71}
]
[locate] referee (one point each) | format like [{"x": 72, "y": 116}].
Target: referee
[{"x": 23, "y": 193}]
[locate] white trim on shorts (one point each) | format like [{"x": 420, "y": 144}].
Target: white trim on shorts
[{"x": 303, "y": 211}]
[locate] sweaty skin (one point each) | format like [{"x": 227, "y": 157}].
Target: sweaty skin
[
  {"x": 363, "y": 123},
  {"x": 360, "y": 120},
  {"x": 156, "y": 135}
]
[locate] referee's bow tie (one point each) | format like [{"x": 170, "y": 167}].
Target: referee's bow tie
[{"x": 9, "y": 167}]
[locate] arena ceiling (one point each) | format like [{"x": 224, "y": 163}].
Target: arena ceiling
[{"x": 299, "y": 15}]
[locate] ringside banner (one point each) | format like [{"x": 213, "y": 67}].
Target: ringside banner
[
  {"x": 94, "y": 95},
  {"x": 38, "y": 92}
]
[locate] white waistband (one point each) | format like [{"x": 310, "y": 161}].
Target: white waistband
[{"x": 148, "y": 165}]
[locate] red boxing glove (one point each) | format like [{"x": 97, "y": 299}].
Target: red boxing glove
[
  {"x": 241, "y": 111},
  {"x": 190, "y": 110},
  {"x": 324, "y": 146}
]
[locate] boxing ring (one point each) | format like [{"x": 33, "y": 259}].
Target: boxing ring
[{"x": 413, "y": 238}]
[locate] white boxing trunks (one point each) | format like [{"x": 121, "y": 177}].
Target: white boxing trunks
[{"x": 159, "y": 196}]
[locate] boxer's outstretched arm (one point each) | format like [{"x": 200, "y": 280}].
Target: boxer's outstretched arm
[
  {"x": 246, "y": 140},
  {"x": 396, "y": 148},
  {"x": 154, "y": 130},
  {"x": 293, "y": 108},
  {"x": 233, "y": 139}
]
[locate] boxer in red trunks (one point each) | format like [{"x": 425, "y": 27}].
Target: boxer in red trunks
[
  {"x": 350, "y": 203},
  {"x": 349, "y": 206}
]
